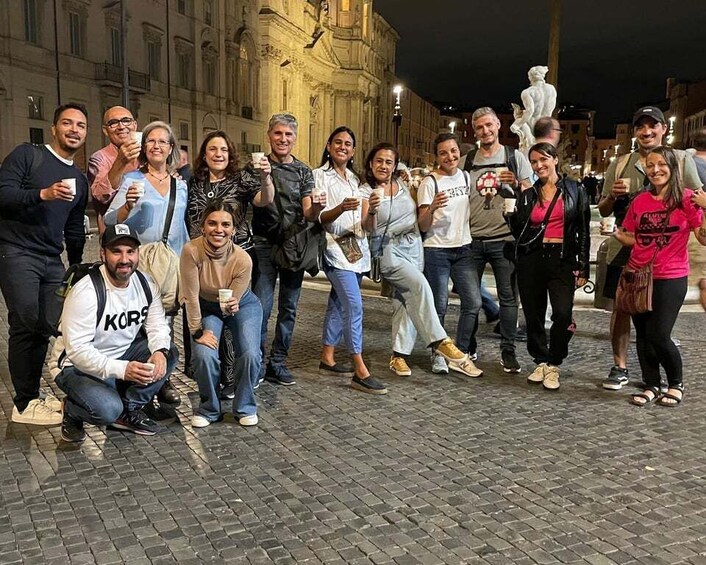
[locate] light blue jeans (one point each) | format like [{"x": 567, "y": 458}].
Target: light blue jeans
[
  {"x": 413, "y": 311},
  {"x": 245, "y": 329},
  {"x": 344, "y": 313}
]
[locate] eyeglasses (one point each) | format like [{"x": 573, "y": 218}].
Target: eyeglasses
[
  {"x": 113, "y": 124},
  {"x": 557, "y": 129},
  {"x": 159, "y": 142}
]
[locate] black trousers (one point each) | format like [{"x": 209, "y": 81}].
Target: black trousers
[
  {"x": 539, "y": 273},
  {"x": 653, "y": 332},
  {"x": 28, "y": 282}
]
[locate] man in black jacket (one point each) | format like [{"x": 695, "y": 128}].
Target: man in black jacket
[{"x": 43, "y": 198}]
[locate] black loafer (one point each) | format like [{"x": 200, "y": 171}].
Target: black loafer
[
  {"x": 337, "y": 369},
  {"x": 369, "y": 385}
]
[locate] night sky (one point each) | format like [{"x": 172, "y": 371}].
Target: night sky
[{"x": 615, "y": 55}]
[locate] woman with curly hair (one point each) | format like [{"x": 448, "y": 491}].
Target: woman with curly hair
[{"x": 217, "y": 177}]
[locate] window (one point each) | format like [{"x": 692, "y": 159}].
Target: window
[
  {"x": 209, "y": 76},
  {"x": 35, "y": 107},
  {"x": 181, "y": 6},
  {"x": 183, "y": 130},
  {"x": 574, "y": 128},
  {"x": 285, "y": 95},
  {"x": 208, "y": 12},
  {"x": 36, "y": 136},
  {"x": 116, "y": 52},
  {"x": 154, "y": 60},
  {"x": 183, "y": 61},
  {"x": 345, "y": 5},
  {"x": 75, "y": 34},
  {"x": 31, "y": 21}
]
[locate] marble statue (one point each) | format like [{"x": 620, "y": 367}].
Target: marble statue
[
  {"x": 539, "y": 99},
  {"x": 521, "y": 128}
]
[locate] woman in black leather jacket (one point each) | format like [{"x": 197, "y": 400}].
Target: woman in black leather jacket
[{"x": 551, "y": 228}]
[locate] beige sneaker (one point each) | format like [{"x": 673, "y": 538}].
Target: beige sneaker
[
  {"x": 551, "y": 377},
  {"x": 53, "y": 403},
  {"x": 537, "y": 375},
  {"x": 448, "y": 350},
  {"x": 467, "y": 367},
  {"x": 399, "y": 366},
  {"x": 37, "y": 413}
]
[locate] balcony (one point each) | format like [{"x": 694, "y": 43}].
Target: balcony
[{"x": 112, "y": 75}]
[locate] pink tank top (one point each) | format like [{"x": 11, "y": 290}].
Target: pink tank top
[{"x": 555, "y": 226}]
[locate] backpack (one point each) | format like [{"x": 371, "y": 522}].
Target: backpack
[
  {"x": 162, "y": 263},
  {"x": 510, "y": 162},
  {"x": 76, "y": 272}
]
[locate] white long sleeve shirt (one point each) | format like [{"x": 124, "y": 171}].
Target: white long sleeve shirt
[{"x": 96, "y": 350}]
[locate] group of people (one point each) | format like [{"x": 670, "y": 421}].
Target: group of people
[{"x": 492, "y": 206}]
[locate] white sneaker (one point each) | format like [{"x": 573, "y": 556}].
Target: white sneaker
[
  {"x": 52, "y": 402},
  {"x": 467, "y": 367},
  {"x": 537, "y": 375},
  {"x": 438, "y": 365},
  {"x": 37, "y": 413},
  {"x": 551, "y": 378},
  {"x": 198, "y": 421},
  {"x": 248, "y": 420}
]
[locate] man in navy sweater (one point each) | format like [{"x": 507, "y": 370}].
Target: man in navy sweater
[{"x": 42, "y": 203}]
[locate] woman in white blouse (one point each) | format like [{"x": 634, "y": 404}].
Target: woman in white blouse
[{"x": 346, "y": 258}]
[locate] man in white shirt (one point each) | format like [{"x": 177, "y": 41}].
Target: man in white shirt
[{"x": 115, "y": 350}]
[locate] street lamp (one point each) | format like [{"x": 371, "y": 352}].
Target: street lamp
[
  {"x": 397, "y": 115},
  {"x": 452, "y": 127}
]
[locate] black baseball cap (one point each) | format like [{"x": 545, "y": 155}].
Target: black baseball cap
[
  {"x": 116, "y": 232},
  {"x": 651, "y": 112}
]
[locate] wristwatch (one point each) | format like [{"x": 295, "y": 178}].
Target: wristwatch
[
  {"x": 164, "y": 351},
  {"x": 198, "y": 334}
]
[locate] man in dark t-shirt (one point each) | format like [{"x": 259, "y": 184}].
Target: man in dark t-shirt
[
  {"x": 293, "y": 181},
  {"x": 43, "y": 198}
]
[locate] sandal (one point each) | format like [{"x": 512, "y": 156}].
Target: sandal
[
  {"x": 675, "y": 400},
  {"x": 643, "y": 399}
]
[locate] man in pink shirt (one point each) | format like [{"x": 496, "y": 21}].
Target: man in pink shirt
[{"x": 107, "y": 166}]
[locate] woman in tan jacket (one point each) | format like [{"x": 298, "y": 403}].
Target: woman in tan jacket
[{"x": 212, "y": 268}]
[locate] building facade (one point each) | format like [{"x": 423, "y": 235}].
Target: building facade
[{"x": 202, "y": 65}]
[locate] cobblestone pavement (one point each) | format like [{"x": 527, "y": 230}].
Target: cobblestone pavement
[{"x": 444, "y": 469}]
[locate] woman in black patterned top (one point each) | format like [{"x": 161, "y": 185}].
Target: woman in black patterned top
[{"x": 217, "y": 177}]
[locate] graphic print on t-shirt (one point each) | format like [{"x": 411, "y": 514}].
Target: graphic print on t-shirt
[
  {"x": 651, "y": 228},
  {"x": 488, "y": 186}
]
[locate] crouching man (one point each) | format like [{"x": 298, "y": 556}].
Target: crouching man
[{"x": 115, "y": 351}]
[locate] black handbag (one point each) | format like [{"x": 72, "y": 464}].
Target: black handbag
[
  {"x": 299, "y": 246},
  {"x": 376, "y": 257},
  {"x": 532, "y": 236}
]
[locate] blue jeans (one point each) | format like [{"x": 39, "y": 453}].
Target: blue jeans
[
  {"x": 265, "y": 274},
  {"x": 490, "y": 308},
  {"x": 244, "y": 328},
  {"x": 28, "y": 282},
  {"x": 344, "y": 312},
  {"x": 440, "y": 264},
  {"x": 101, "y": 402},
  {"x": 499, "y": 254}
]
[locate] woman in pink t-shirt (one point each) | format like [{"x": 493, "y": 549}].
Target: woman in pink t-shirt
[{"x": 658, "y": 224}]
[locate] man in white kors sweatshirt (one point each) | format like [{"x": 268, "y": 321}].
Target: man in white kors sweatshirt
[{"x": 115, "y": 350}]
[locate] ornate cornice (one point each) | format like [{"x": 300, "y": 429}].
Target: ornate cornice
[{"x": 271, "y": 52}]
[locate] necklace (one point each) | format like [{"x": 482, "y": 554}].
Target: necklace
[{"x": 165, "y": 177}]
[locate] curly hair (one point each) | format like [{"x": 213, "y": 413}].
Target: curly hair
[{"x": 200, "y": 165}]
